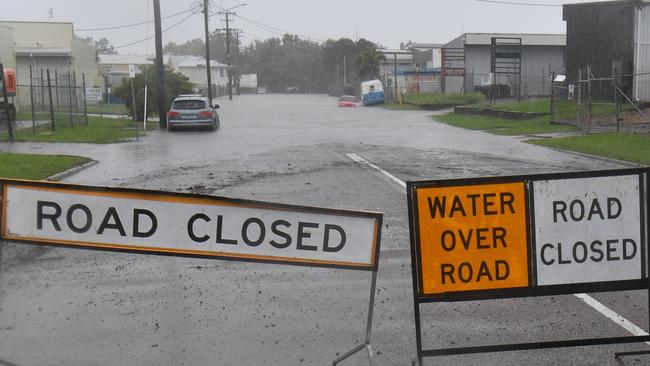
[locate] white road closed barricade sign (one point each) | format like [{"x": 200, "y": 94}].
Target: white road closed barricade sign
[
  {"x": 150, "y": 221},
  {"x": 588, "y": 230}
]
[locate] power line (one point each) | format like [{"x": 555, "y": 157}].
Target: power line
[
  {"x": 192, "y": 9},
  {"x": 148, "y": 38},
  {"x": 277, "y": 31},
  {"x": 517, "y": 3}
]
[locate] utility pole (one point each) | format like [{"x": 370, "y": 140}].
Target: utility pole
[
  {"x": 228, "y": 54},
  {"x": 160, "y": 68},
  {"x": 207, "y": 50},
  {"x": 227, "y": 13},
  {"x": 345, "y": 81},
  {"x": 238, "y": 74}
]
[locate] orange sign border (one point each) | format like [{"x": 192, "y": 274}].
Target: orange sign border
[{"x": 163, "y": 196}]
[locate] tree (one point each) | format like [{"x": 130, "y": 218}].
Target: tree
[
  {"x": 104, "y": 47},
  {"x": 286, "y": 62},
  {"x": 175, "y": 84},
  {"x": 340, "y": 56},
  {"x": 367, "y": 64},
  {"x": 196, "y": 47}
]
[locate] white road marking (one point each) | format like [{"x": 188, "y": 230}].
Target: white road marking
[
  {"x": 613, "y": 316},
  {"x": 595, "y": 304},
  {"x": 361, "y": 160}
]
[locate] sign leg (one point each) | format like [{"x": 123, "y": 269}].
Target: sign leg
[{"x": 366, "y": 345}]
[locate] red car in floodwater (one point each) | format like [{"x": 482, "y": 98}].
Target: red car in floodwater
[{"x": 348, "y": 101}]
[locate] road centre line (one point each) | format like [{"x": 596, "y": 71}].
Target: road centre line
[
  {"x": 593, "y": 303},
  {"x": 361, "y": 160}
]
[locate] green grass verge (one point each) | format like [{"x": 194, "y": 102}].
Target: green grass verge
[
  {"x": 107, "y": 108},
  {"x": 500, "y": 126},
  {"x": 444, "y": 98},
  {"x": 629, "y": 147},
  {"x": 35, "y": 167},
  {"x": 533, "y": 106},
  {"x": 99, "y": 131},
  {"x": 401, "y": 107}
]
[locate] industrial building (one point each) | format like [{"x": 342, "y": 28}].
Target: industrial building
[
  {"x": 510, "y": 64},
  {"x": 415, "y": 67},
  {"x": 44, "y": 46},
  {"x": 608, "y": 35},
  {"x": 49, "y": 45}
]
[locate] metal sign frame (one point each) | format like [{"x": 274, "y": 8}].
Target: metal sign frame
[
  {"x": 505, "y": 60},
  {"x": 532, "y": 290},
  {"x": 126, "y": 192}
]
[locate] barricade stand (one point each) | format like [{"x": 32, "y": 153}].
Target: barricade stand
[
  {"x": 59, "y": 214},
  {"x": 532, "y": 211},
  {"x": 366, "y": 344}
]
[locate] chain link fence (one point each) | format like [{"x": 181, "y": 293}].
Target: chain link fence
[
  {"x": 526, "y": 86},
  {"x": 48, "y": 100},
  {"x": 597, "y": 100}
]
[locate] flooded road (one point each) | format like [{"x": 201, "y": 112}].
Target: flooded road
[{"x": 62, "y": 306}]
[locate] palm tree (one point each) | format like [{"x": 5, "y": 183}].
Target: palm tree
[{"x": 367, "y": 64}]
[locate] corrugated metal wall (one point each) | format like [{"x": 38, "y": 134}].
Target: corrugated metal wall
[{"x": 597, "y": 35}]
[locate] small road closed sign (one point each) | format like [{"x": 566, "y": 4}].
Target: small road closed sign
[
  {"x": 589, "y": 230},
  {"x": 190, "y": 225}
]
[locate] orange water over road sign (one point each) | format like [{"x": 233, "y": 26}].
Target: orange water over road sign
[{"x": 472, "y": 237}]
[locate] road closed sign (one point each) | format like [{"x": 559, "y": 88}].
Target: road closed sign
[
  {"x": 177, "y": 224},
  {"x": 498, "y": 237},
  {"x": 472, "y": 237},
  {"x": 588, "y": 230}
]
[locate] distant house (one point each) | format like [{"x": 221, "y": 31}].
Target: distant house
[
  {"x": 194, "y": 68},
  {"x": 116, "y": 68},
  {"x": 607, "y": 35},
  {"x": 248, "y": 83},
  {"x": 520, "y": 63},
  {"x": 415, "y": 67},
  {"x": 425, "y": 55},
  {"x": 392, "y": 68}
]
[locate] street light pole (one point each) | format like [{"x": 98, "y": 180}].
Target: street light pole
[{"x": 160, "y": 68}]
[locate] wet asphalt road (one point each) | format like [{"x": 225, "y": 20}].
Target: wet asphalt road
[{"x": 63, "y": 306}]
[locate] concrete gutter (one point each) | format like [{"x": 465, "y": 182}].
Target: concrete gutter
[
  {"x": 595, "y": 157},
  {"x": 65, "y": 174}
]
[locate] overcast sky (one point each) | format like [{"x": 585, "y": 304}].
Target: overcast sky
[{"x": 385, "y": 22}]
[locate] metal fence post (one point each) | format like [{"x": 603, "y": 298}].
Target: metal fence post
[
  {"x": 70, "y": 99},
  {"x": 589, "y": 101},
  {"x": 616, "y": 100},
  {"x": 56, "y": 88},
  {"x": 83, "y": 81},
  {"x": 31, "y": 97},
  {"x": 49, "y": 93},
  {"x": 552, "y": 97}
]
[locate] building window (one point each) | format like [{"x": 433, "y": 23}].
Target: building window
[{"x": 221, "y": 72}]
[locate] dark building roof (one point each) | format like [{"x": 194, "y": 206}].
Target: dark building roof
[{"x": 609, "y": 3}]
